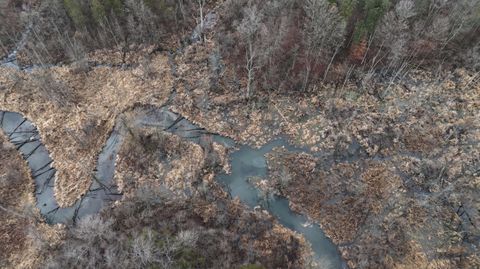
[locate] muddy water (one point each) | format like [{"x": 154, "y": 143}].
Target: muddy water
[{"x": 246, "y": 162}]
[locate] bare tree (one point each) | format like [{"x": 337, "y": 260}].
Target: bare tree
[
  {"x": 201, "y": 6},
  {"x": 188, "y": 238},
  {"x": 394, "y": 37},
  {"x": 405, "y": 9},
  {"x": 249, "y": 29},
  {"x": 324, "y": 30},
  {"x": 143, "y": 247},
  {"x": 141, "y": 22},
  {"x": 285, "y": 178}
]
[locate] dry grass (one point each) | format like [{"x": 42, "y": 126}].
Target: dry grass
[
  {"x": 15, "y": 194},
  {"x": 19, "y": 218},
  {"x": 74, "y": 129}
]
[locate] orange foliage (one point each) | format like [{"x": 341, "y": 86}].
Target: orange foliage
[
  {"x": 358, "y": 50},
  {"x": 423, "y": 47}
]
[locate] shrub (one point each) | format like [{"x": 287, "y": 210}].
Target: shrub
[
  {"x": 373, "y": 11},
  {"x": 76, "y": 12},
  {"x": 251, "y": 266},
  {"x": 52, "y": 89}
]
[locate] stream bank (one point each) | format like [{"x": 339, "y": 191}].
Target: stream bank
[{"x": 246, "y": 162}]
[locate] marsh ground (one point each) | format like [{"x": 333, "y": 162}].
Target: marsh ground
[{"x": 391, "y": 163}]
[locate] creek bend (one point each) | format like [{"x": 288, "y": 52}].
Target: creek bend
[{"x": 246, "y": 162}]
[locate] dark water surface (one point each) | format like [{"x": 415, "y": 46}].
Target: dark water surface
[{"x": 246, "y": 162}]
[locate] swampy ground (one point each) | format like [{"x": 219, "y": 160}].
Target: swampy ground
[{"x": 372, "y": 143}]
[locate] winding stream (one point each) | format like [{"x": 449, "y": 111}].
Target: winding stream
[
  {"x": 250, "y": 162},
  {"x": 246, "y": 162},
  {"x": 24, "y": 135}
]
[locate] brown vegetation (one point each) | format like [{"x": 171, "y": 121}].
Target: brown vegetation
[
  {"x": 185, "y": 222},
  {"x": 16, "y": 188},
  {"x": 371, "y": 86},
  {"x": 393, "y": 199},
  {"x": 19, "y": 219},
  {"x": 75, "y": 111}
]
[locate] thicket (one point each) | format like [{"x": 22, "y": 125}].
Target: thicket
[
  {"x": 274, "y": 44},
  {"x": 133, "y": 237},
  {"x": 64, "y": 30},
  {"x": 154, "y": 229},
  {"x": 292, "y": 45},
  {"x": 12, "y": 23}
]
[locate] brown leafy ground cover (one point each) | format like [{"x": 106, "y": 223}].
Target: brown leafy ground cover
[
  {"x": 19, "y": 220},
  {"x": 397, "y": 185},
  {"x": 173, "y": 215},
  {"x": 329, "y": 116},
  {"x": 407, "y": 195},
  {"x": 75, "y": 109},
  {"x": 411, "y": 145},
  {"x": 186, "y": 171},
  {"x": 381, "y": 215}
]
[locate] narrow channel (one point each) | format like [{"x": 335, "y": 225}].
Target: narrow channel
[{"x": 246, "y": 162}]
